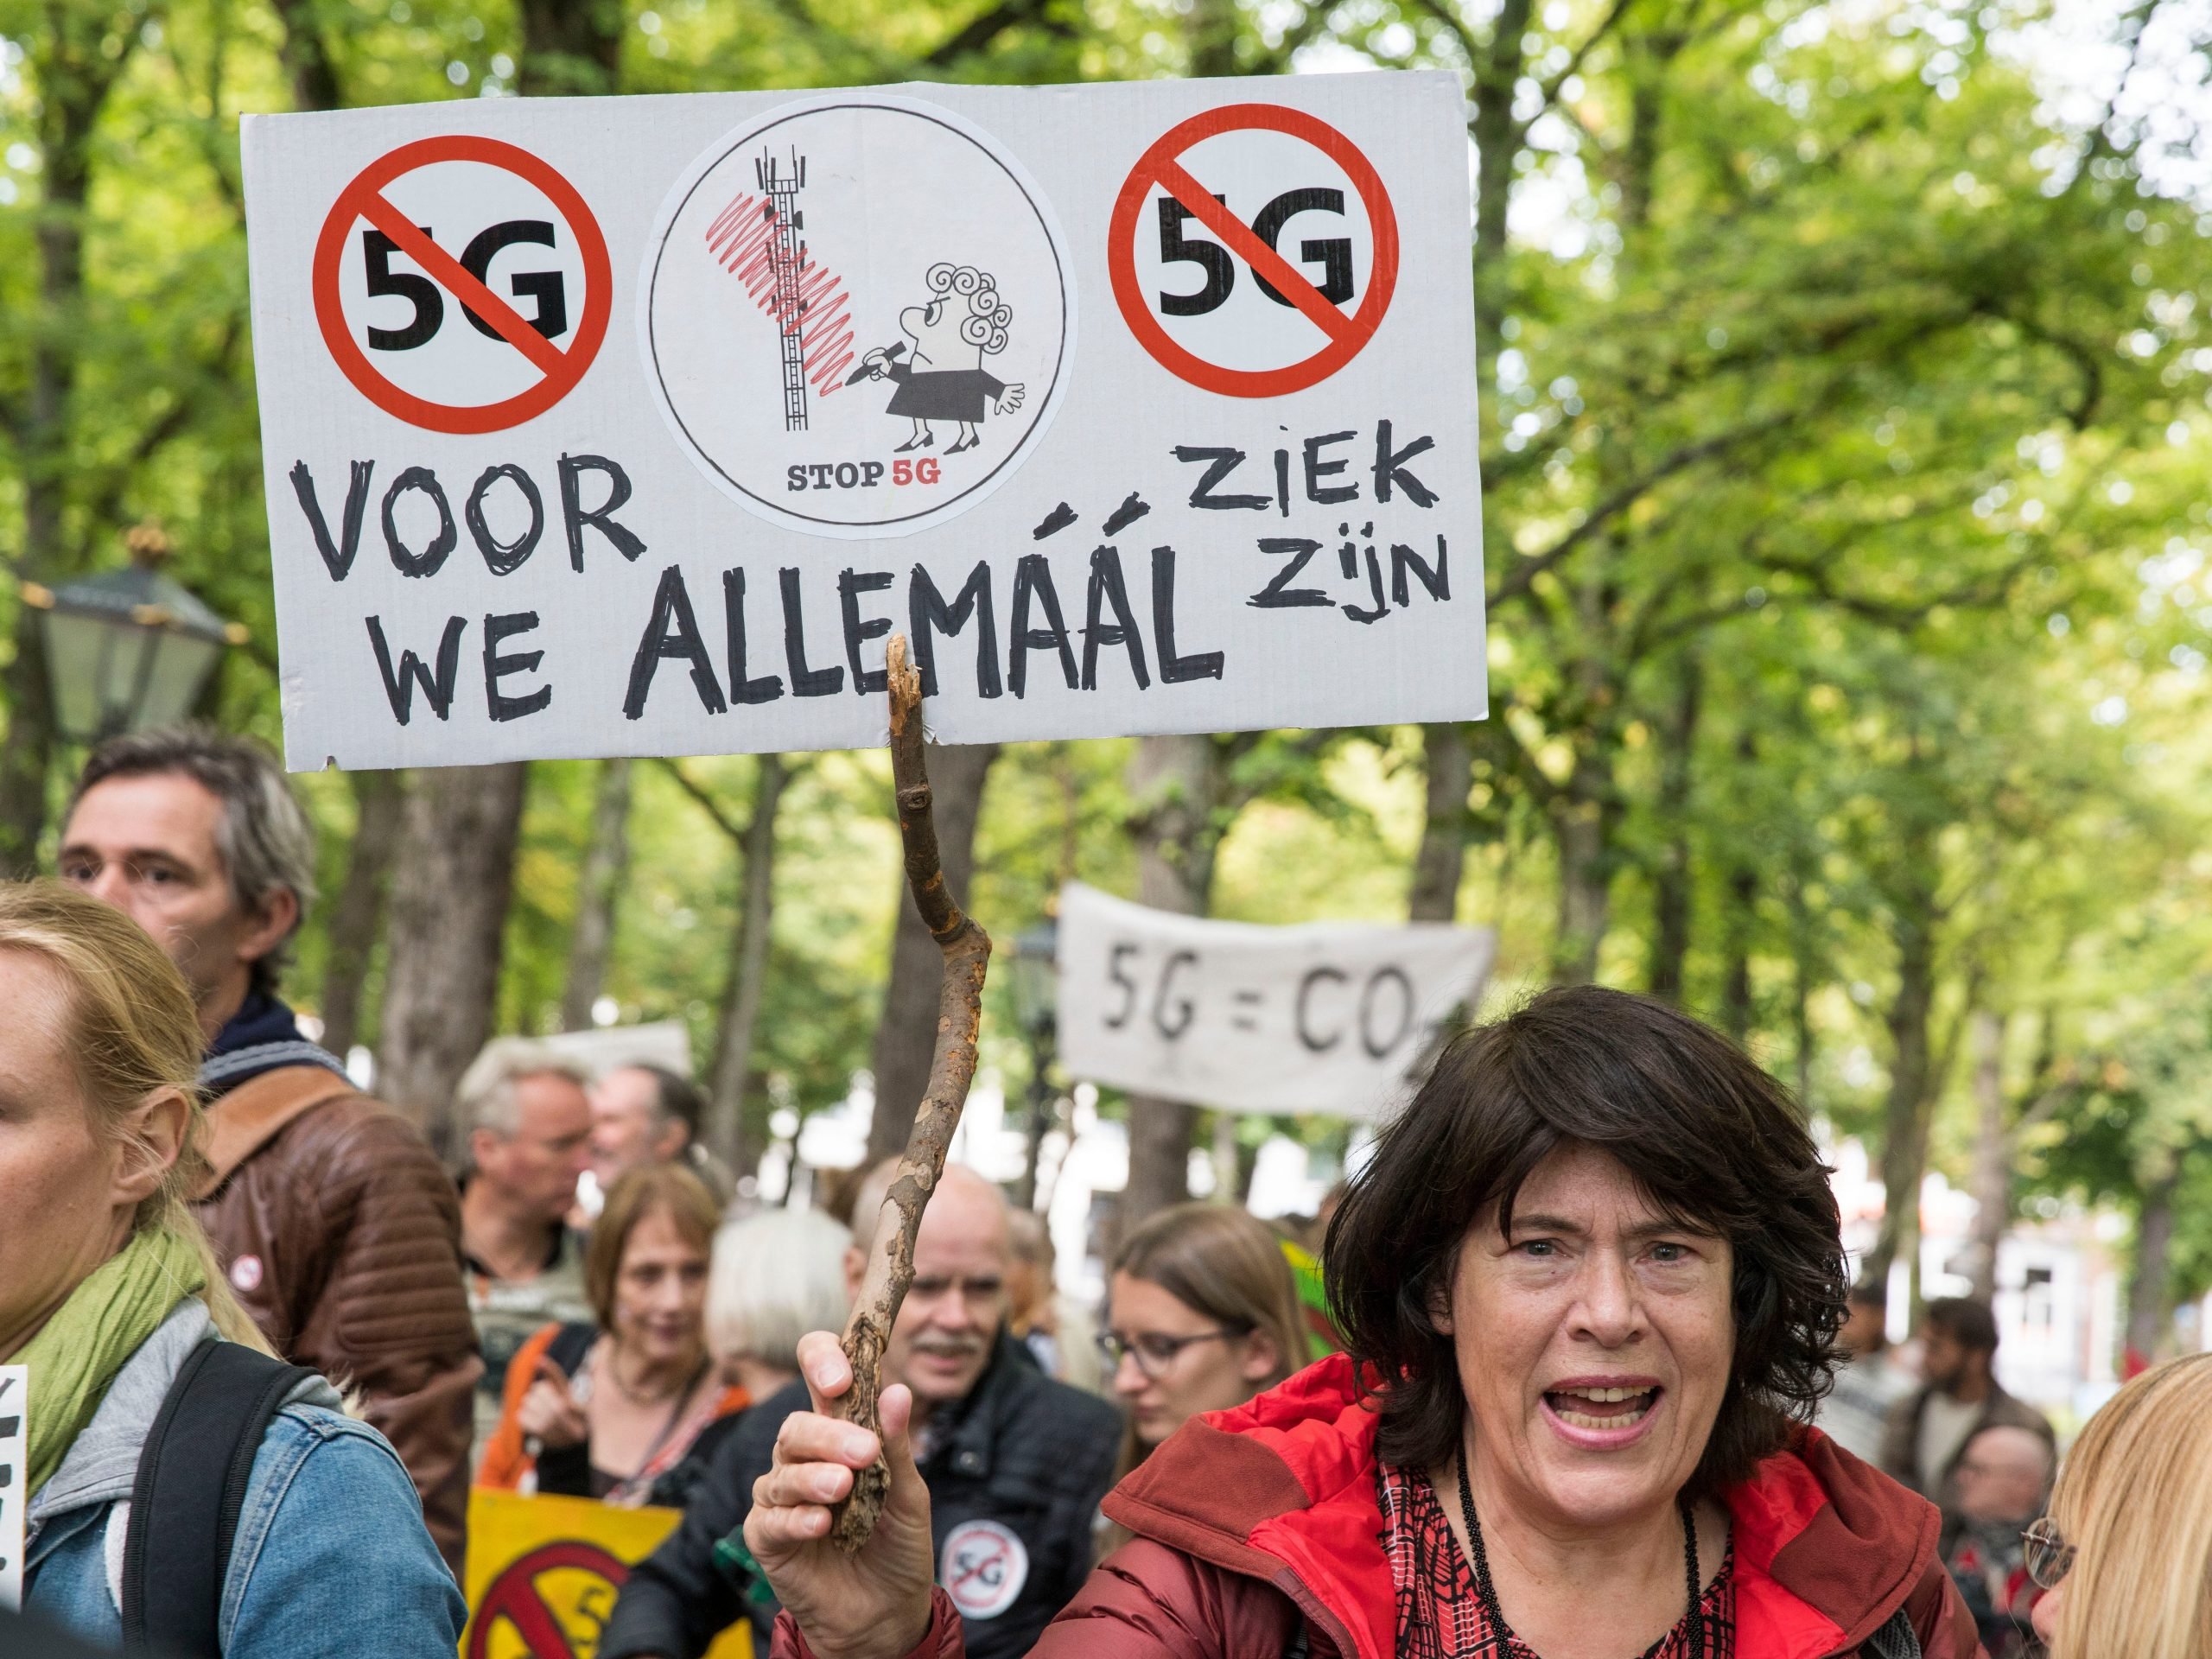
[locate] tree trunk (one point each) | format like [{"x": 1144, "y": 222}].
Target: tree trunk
[
  {"x": 1671, "y": 888},
  {"x": 607, "y": 861},
  {"x": 1992, "y": 1180},
  {"x": 1913, "y": 1087},
  {"x": 2149, "y": 1317},
  {"x": 28, "y": 753},
  {"x": 905, "y": 1032},
  {"x": 357, "y": 914},
  {"x": 75, "y": 63},
  {"x": 1800, "y": 991},
  {"x": 1175, "y": 783},
  {"x": 748, "y": 972},
  {"x": 1442, "y": 856},
  {"x": 449, "y": 921},
  {"x": 1736, "y": 982},
  {"x": 570, "y": 47},
  {"x": 306, "y": 54},
  {"x": 1498, "y": 138},
  {"x": 1582, "y": 827}
]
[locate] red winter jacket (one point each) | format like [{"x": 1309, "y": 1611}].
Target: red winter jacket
[{"x": 1251, "y": 1521}]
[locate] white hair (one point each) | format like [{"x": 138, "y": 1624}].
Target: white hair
[
  {"x": 776, "y": 1275},
  {"x": 875, "y": 1187},
  {"x": 486, "y": 1096}
]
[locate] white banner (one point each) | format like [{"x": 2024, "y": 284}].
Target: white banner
[
  {"x": 14, "y": 1478},
  {"x": 633, "y": 426},
  {"x": 1327, "y": 1017}
]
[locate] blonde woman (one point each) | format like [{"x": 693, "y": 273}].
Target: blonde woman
[
  {"x": 110, "y": 1294},
  {"x": 2125, "y": 1556}
]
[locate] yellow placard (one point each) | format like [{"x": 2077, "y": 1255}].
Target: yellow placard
[{"x": 543, "y": 1573}]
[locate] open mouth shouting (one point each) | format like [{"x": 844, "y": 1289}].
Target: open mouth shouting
[{"x": 1602, "y": 1412}]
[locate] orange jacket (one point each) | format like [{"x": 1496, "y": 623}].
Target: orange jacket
[{"x": 507, "y": 1459}]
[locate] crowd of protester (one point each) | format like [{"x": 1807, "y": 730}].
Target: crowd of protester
[{"x": 1590, "y": 1289}]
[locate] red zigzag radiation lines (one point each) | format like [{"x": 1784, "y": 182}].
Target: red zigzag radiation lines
[{"x": 819, "y": 313}]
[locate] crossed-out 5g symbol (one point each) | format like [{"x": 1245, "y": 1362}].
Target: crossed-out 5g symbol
[
  {"x": 1332, "y": 254},
  {"x": 549, "y": 289}
]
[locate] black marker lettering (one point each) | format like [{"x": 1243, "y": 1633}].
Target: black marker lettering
[
  {"x": 1389, "y": 467},
  {"x": 1438, "y": 579},
  {"x": 1316, "y": 469},
  {"x": 339, "y": 559},
  {"x": 743, "y": 689},
  {"x": 1374, "y": 587},
  {"x": 501, "y": 557},
  {"x": 573, "y": 468},
  {"x": 859, "y": 630},
  {"x": 927, "y": 614},
  {"x": 432, "y": 558},
  {"x": 1174, "y": 670},
  {"x": 1032, "y": 575},
  {"x": 437, "y": 688},
  {"x": 805, "y": 682},
  {"x": 1279, "y": 594},
  {"x": 1220, "y": 463},
  {"x": 672, "y": 632},
  {"x": 498, "y": 666},
  {"x": 1107, "y": 589},
  {"x": 1315, "y": 1043}
]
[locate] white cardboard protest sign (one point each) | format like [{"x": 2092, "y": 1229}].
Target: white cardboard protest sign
[
  {"x": 14, "y": 1478},
  {"x": 629, "y": 426},
  {"x": 1323, "y": 1017}
]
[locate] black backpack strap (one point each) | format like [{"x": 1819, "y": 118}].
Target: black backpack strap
[
  {"x": 189, "y": 1490},
  {"x": 571, "y": 1344}
]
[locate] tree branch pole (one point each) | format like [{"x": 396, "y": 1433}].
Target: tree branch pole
[{"x": 967, "y": 951}]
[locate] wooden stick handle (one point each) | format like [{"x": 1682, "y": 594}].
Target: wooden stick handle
[{"x": 967, "y": 951}]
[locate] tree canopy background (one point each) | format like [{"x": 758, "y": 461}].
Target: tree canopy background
[{"x": 1843, "y": 376}]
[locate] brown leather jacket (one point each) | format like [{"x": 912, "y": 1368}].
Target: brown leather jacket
[{"x": 342, "y": 1235}]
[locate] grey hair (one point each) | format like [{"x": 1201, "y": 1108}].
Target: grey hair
[
  {"x": 264, "y": 838},
  {"x": 485, "y": 1099},
  {"x": 776, "y": 1275}
]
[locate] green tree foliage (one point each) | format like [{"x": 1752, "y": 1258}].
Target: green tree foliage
[{"x": 1844, "y": 394}]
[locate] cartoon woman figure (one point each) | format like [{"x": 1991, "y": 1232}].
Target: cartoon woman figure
[{"x": 963, "y": 322}]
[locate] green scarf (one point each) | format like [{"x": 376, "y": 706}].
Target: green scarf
[{"x": 74, "y": 1357}]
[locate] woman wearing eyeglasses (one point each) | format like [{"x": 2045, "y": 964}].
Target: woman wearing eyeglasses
[
  {"x": 1200, "y": 1316},
  {"x": 2125, "y": 1556}
]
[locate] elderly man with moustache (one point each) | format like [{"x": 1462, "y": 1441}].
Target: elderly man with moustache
[
  {"x": 1016, "y": 1463},
  {"x": 334, "y": 1222}
]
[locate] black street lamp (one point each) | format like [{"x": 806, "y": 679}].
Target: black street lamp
[
  {"x": 127, "y": 650},
  {"x": 1034, "y": 977}
]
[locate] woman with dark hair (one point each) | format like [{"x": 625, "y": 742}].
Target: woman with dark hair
[{"x": 1590, "y": 1285}]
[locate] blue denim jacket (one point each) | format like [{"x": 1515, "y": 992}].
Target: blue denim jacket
[{"x": 331, "y": 1556}]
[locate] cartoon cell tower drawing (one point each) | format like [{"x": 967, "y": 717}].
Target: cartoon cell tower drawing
[{"x": 781, "y": 184}]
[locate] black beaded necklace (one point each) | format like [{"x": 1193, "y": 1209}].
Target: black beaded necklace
[{"x": 1488, "y": 1592}]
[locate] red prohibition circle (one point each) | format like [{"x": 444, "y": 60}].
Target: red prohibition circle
[
  {"x": 513, "y": 1596},
  {"x": 1160, "y": 165},
  {"x": 560, "y": 369}
]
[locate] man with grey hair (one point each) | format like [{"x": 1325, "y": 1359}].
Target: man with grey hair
[
  {"x": 529, "y": 1123},
  {"x": 334, "y": 1221},
  {"x": 1016, "y": 1463}
]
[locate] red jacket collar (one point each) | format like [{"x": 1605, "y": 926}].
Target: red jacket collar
[{"x": 1282, "y": 1489}]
